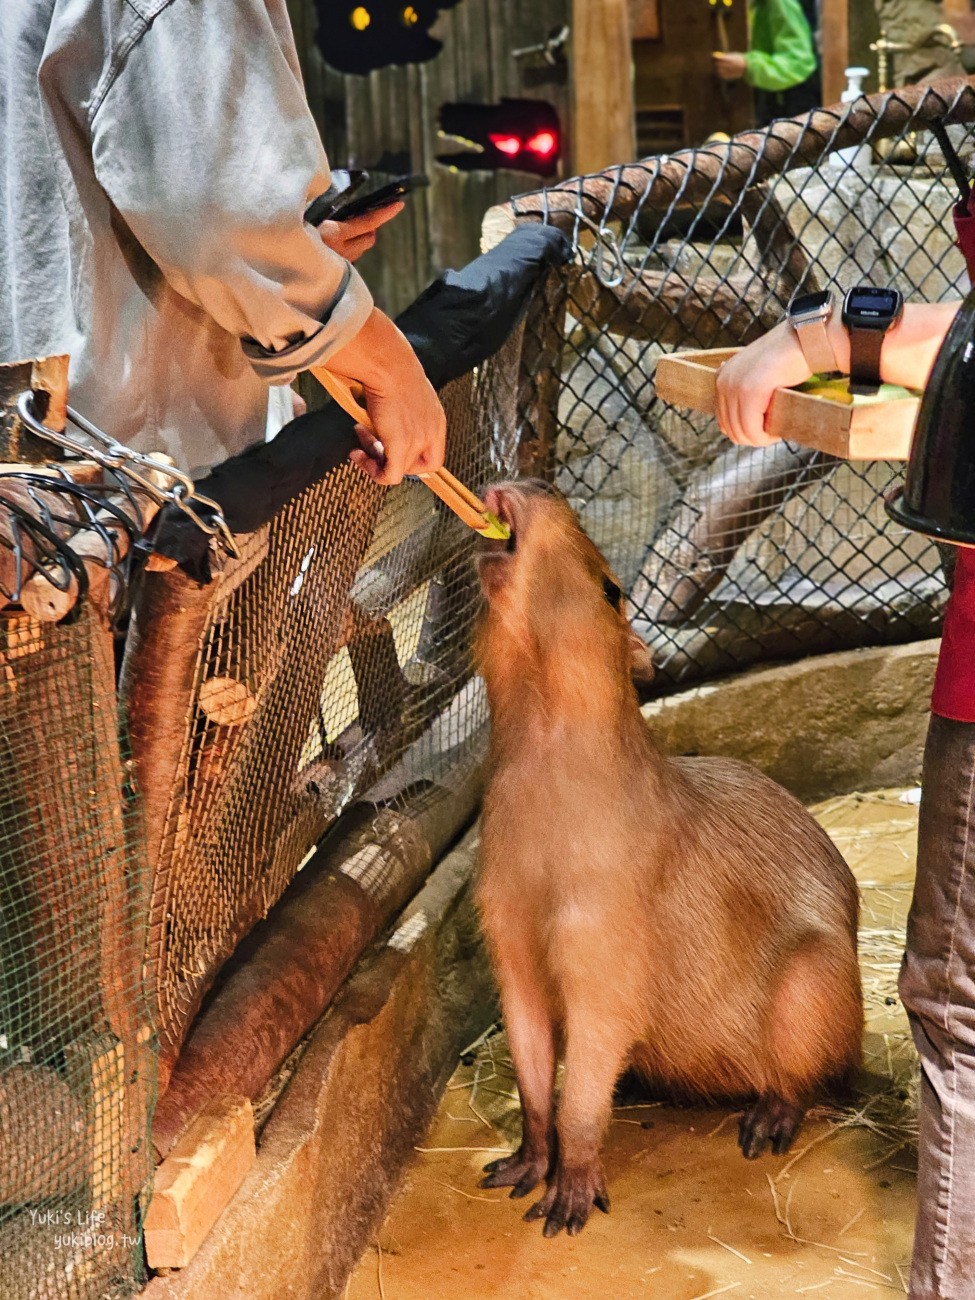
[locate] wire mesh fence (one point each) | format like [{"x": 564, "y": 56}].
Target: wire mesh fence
[
  {"x": 77, "y": 1073},
  {"x": 736, "y": 554},
  {"x": 331, "y": 659}
]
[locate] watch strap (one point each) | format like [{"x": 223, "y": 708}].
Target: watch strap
[
  {"x": 813, "y": 338},
  {"x": 865, "y": 348}
]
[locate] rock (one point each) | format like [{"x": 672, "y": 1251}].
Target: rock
[
  {"x": 886, "y": 224},
  {"x": 823, "y": 726},
  {"x": 613, "y": 467}
]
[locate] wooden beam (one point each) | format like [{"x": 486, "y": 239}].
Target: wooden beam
[
  {"x": 602, "y": 85},
  {"x": 197, "y": 1181},
  {"x": 834, "y": 26}
]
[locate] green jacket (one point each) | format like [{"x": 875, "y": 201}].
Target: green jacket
[{"x": 781, "y": 53}]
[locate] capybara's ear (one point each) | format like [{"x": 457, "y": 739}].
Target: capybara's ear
[{"x": 641, "y": 665}]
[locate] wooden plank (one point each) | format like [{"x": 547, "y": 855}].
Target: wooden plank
[
  {"x": 834, "y": 28},
  {"x": 677, "y": 72},
  {"x": 861, "y": 429},
  {"x": 96, "y": 1070},
  {"x": 645, "y": 20},
  {"x": 47, "y": 378},
  {"x": 196, "y": 1182},
  {"x": 603, "y": 114}
]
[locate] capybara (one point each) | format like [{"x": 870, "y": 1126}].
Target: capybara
[{"x": 685, "y": 918}]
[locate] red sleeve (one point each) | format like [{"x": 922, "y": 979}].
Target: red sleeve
[{"x": 954, "y": 682}]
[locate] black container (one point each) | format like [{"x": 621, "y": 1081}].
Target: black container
[{"x": 938, "y": 496}]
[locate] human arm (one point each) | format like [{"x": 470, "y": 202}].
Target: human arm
[
  {"x": 747, "y": 380},
  {"x": 205, "y": 146},
  {"x": 730, "y": 66},
  {"x": 413, "y": 432},
  {"x": 405, "y": 411},
  {"x": 791, "y": 57}
]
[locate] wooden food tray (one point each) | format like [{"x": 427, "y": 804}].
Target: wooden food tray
[{"x": 821, "y": 414}]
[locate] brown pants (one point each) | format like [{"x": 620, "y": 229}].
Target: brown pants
[{"x": 937, "y": 988}]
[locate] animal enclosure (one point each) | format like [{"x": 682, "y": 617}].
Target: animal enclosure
[
  {"x": 303, "y": 732},
  {"x": 735, "y": 555}
]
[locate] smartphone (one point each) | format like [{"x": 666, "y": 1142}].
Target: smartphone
[
  {"x": 344, "y": 184},
  {"x": 356, "y": 205}
]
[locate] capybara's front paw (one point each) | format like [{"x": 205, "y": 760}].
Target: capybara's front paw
[
  {"x": 570, "y": 1197},
  {"x": 522, "y": 1171},
  {"x": 771, "y": 1121}
]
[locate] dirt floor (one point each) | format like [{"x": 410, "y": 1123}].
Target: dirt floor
[{"x": 690, "y": 1218}]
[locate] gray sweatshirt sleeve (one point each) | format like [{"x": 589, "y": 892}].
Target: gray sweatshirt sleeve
[{"x": 204, "y": 143}]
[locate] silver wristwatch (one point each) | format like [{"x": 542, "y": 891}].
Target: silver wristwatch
[{"x": 809, "y": 315}]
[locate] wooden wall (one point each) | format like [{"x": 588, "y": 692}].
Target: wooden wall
[
  {"x": 396, "y": 109},
  {"x": 679, "y": 100}
]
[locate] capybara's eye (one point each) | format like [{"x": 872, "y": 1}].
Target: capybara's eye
[{"x": 612, "y": 593}]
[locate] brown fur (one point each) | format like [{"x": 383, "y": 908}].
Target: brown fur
[{"x": 684, "y": 916}]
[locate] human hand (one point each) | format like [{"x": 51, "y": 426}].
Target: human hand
[
  {"x": 729, "y": 67},
  {"x": 350, "y": 239},
  {"x": 408, "y": 423},
  {"x": 747, "y": 381}
]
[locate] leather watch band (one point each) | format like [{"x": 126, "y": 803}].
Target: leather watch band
[{"x": 865, "y": 348}]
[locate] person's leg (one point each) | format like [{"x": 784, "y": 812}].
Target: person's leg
[{"x": 938, "y": 990}]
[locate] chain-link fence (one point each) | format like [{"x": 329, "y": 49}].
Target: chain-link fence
[{"x": 735, "y": 554}]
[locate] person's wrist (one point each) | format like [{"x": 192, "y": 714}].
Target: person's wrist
[{"x": 379, "y": 358}]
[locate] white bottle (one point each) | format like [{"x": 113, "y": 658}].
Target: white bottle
[{"x": 858, "y": 156}]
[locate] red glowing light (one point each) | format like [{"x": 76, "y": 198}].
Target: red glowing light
[
  {"x": 544, "y": 144},
  {"x": 507, "y": 144}
]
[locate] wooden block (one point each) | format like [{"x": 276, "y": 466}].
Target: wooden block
[
  {"x": 96, "y": 1068},
  {"x": 645, "y": 20},
  {"x": 226, "y": 701},
  {"x": 828, "y": 419},
  {"x": 196, "y": 1182}
]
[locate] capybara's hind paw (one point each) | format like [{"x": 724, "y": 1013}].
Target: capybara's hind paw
[
  {"x": 570, "y": 1197},
  {"x": 771, "y": 1121},
  {"x": 521, "y": 1171}
]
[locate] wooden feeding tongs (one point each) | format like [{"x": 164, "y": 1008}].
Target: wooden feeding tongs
[{"x": 465, "y": 504}]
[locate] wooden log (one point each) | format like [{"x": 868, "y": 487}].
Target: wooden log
[
  {"x": 288, "y": 971},
  {"x": 96, "y": 1066},
  {"x": 721, "y": 507},
  {"x": 662, "y": 307},
  {"x": 226, "y": 702},
  {"x": 540, "y": 377},
  {"x": 834, "y": 30},
  {"x": 158, "y": 693},
  {"x": 44, "y": 1147},
  {"x": 724, "y": 170},
  {"x": 603, "y": 113},
  {"x": 829, "y": 419},
  {"x": 783, "y": 257},
  {"x": 197, "y": 1180},
  {"x": 311, "y": 615},
  {"x": 47, "y": 379},
  {"x": 645, "y": 20}
]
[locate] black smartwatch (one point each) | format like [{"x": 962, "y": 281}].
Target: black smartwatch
[{"x": 868, "y": 314}]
